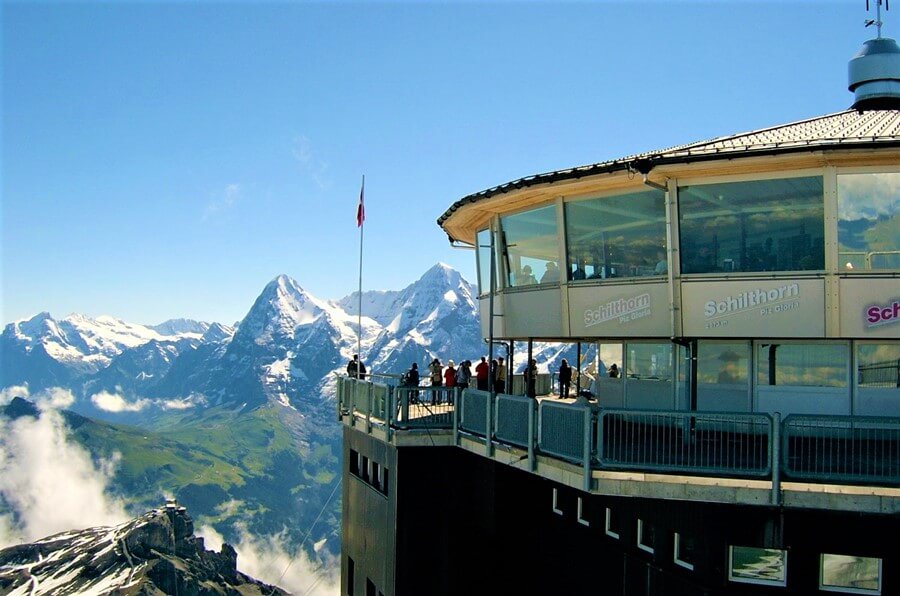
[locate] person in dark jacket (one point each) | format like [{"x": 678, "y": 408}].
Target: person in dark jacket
[
  {"x": 565, "y": 378},
  {"x": 531, "y": 378},
  {"x": 412, "y": 380}
]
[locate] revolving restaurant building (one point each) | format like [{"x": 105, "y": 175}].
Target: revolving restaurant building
[{"x": 748, "y": 289}]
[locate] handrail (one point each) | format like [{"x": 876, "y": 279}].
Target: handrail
[{"x": 808, "y": 448}]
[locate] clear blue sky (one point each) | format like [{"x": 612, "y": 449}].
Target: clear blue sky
[{"x": 166, "y": 160}]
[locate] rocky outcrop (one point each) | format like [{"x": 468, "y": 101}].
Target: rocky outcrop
[{"x": 154, "y": 554}]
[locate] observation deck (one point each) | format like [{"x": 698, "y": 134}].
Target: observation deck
[{"x": 800, "y": 461}]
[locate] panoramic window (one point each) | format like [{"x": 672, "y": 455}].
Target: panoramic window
[
  {"x": 752, "y": 565},
  {"x": 484, "y": 262},
  {"x": 610, "y": 361},
  {"x": 531, "y": 243},
  {"x": 850, "y": 575},
  {"x": 621, "y": 236},
  {"x": 724, "y": 363},
  {"x": 761, "y": 225},
  {"x": 878, "y": 365},
  {"x": 806, "y": 365},
  {"x": 649, "y": 361},
  {"x": 868, "y": 221},
  {"x": 683, "y": 553}
]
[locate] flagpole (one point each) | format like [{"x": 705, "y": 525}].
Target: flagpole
[{"x": 361, "y": 220}]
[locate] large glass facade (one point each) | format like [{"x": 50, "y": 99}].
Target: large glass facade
[
  {"x": 532, "y": 247},
  {"x": 803, "y": 365},
  {"x": 649, "y": 361},
  {"x": 761, "y": 225},
  {"x": 868, "y": 221},
  {"x": 724, "y": 363},
  {"x": 620, "y": 236}
]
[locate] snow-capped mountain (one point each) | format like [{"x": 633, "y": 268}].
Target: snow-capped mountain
[
  {"x": 284, "y": 351},
  {"x": 156, "y": 553}
]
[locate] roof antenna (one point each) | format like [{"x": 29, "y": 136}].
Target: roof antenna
[
  {"x": 874, "y": 73},
  {"x": 877, "y": 20}
]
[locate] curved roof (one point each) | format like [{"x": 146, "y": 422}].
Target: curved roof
[{"x": 873, "y": 128}]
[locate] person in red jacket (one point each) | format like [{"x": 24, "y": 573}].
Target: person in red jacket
[
  {"x": 450, "y": 381},
  {"x": 481, "y": 375}
]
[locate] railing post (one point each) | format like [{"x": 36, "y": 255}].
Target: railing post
[
  {"x": 588, "y": 416},
  {"x": 389, "y": 415},
  {"x": 404, "y": 405},
  {"x": 340, "y": 398},
  {"x": 532, "y": 433},
  {"x": 488, "y": 427},
  {"x": 456, "y": 407},
  {"x": 775, "y": 450},
  {"x": 600, "y": 437},
  {"x": 369, "y": 405}
]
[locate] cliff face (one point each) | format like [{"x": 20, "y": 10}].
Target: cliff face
[{"x": 154, "y": 554}]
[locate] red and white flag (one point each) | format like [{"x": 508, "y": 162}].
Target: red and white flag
[{"x": 361, "y": 209}]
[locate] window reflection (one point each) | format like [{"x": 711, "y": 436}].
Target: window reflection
[
  {"x": 649, "y": 361},
  {"x": 725, "y": 363},
  {"x": 869, "y": 221},
  {"x": 878, "y": 365},
  {"x": 859, "y": 574},
  {"x": 806, "y": 365},
  {"x": 758, "y": 565},
  {"x": 532, "y": 247},
  {"x": 484, "y": 261},
  {"x": 621, "y": 236},
  {"x": 762, "y": 225}
]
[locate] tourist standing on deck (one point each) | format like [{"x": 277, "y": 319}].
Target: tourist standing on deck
[
  {"x": 565, "y": 378},
  {"x": 437, "y": 379},
  {"x": 500, "y": 377},
  {"x": 531, "y": 378},
  {"x": 450, "y": 381},
  {"x": 356, "y": 369},
  {"x": 481, "y": 375},
  {"x": 411, "y": 379},
  {"x": 463, "y": 374}
]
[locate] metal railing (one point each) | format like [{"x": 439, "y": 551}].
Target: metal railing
[
  {"x": 830, "y": 449},
  {"x": 840, "y": 449},
  {"x": 512, "y": 421},
  {"x": 715, "y": 444},
  {"x": 473, "y": 416}
]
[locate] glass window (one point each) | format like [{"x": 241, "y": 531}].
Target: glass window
[
  {"x": 649, "y": 361},
  {"x": 806, "y": 365},
  {"x": 684, "y": 551},
  {"x": 621, "y": 236},
  {"x": 484, "y": 262},
  {"x": 878, "y": 365},
  {"x": 848, "y": 574},
  {"x": 757, "y": 565},
  {"x": 868, "y": 221},
  {"x": 725, "y": 363},
  {"x": 610, "y": 360},
  {"x": 761, "y": 225},
  {"x": 532, "y": 247}
]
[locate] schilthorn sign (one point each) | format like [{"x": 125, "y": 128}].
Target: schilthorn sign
[
  {"x": 623, "y": 309},
  {"x": 768, "y": 301},
  {"x": 883, "y": 314}
]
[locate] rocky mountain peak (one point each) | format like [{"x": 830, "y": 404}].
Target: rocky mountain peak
[{"x": 155, "y": 553}]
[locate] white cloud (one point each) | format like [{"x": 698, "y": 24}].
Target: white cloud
[
  {"x": 48, "y": 483},
  {"x": 223, "y": 200},
  {"x": 267, "y": 559},
  {"x": 111, "y": 402},
  {"x": 309, "y": 162},
  {"x": 7, "y": 394},
  {"x": 176, "y": 404}
]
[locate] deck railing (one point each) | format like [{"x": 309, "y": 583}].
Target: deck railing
[
  {"x": 715, "y": 444},
  {"x": 842, "y": 449},
  {"x": 830, "y": 449}
]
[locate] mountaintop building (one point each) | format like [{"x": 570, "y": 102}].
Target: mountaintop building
[{"x": 747, "y": 288}]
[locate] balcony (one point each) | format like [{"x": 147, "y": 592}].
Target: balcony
[{"x": 827, "y": 462}]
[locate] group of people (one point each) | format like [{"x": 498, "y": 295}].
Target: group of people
[
  {"x": 526, "y": 277},
  {"x": 452, "y": 376}
]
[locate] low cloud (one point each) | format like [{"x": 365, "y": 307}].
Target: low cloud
[
  {"x": 267, "y": 559},
  {"x": 48, "y": 483},
  {"x": 309, "y": 162},
  {"x": 7, "y": 394},
  {"x": 54, "y": 398},
  {"x": 112, "y": 402}
]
